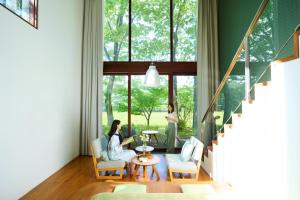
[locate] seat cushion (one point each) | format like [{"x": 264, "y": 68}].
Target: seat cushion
[
  {"x": 111, "y": 164},
  {"x": 201, "y": 189},
  {"x": 182, "y": 166},
  {"x": 186, "y": 151},
  {"x": 173, "y": 158},
  {"x": 131, "y": 188}
]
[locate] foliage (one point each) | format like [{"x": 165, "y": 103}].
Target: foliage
[
  {"x": 116, "y": 30},
  {"x": 185, "y": 103},
  {"x": 150, "y": 31},
  {"x": 262, "y": 40},
  {"x": 144, "y": 100}
]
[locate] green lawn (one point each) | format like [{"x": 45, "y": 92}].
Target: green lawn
[
  {"x": 219, "y": 121},
  {"x": 157, "y": 118},
  {"x": 157, "y": 121}
]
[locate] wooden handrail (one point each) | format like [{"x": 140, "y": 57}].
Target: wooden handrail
[
  {"x": 295, "y": 55},
  {"x": 236, "y": 56}
]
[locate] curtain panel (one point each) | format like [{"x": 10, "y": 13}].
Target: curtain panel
[
  {"x": 207, "y": 58},
  {"x": 92, "y": 72}
]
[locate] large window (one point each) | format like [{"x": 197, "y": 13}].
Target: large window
[
  {"x": 156, "y": 30},
  {"x": 25, "y": 9},
  {"x": 136, "y": 33}
]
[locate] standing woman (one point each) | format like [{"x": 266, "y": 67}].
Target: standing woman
[
  {"x": 172, "y": 128},
  {"x": 116, "y": 143}
]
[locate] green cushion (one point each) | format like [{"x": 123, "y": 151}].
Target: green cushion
[
  {"x": 197, "y": 188},
  {"x": 151, "y": 196},
  {"x": 131, "y": 188}
]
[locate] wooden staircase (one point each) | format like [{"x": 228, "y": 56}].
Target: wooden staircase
[{"x": 250, "y": 155}]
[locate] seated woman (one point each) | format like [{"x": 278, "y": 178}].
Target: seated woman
[{"x": 115, "y": 144}]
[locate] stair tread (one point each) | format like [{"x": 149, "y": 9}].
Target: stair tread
[
  {"x": 249, "y": 101},
  {"x": 237, "y": 114},
  {"x": 228, "y": 125},
  {"x": 215, "y": 142},
  {"x": 263, "y": 84}
]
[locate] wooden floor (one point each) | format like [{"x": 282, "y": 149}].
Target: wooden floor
[{"x": 77, "y": 181}]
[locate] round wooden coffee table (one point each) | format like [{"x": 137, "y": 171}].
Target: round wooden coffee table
[{"x": 151, "y": 161}]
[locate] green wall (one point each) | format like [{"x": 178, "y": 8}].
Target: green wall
[{"x": 234, "y": 18}]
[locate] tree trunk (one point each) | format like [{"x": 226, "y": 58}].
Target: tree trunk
[
  {"x": 148, "y": 122},
  {"x": 115, "y": 56},
  {"x": 195, "y": 106},
  {"x": 108, "y": 101},
  {"x": 175, "y": 45}
]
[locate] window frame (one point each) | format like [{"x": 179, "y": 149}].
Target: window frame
[{"x": 129, "y": 68}]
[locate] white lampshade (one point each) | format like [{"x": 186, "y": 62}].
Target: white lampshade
[{"x": 152, "y": 77}]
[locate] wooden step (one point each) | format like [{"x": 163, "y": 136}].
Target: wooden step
[
  {"x": 227, "y": 125},
  {"x": 215, "y": 142},
  {"x": 266, "y": 83}
]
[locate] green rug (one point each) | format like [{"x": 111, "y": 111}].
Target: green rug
[
  {"x": 130, "y": 188},
  {"x": 202, "y": 189}
]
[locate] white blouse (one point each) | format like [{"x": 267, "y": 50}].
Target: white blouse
[
  {"x": 172, "y": 118},
  {"x": 114, "y": 147},
  {"x": 116, "y": 152}
]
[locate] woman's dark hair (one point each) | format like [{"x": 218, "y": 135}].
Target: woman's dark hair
[
  {"x": 113, "y": 128},
  {"x": 172, "y": 106}
]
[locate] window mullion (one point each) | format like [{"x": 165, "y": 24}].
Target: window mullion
[
  {"x": 171, "y": 32},
  {"x": 129, "y": 29}
]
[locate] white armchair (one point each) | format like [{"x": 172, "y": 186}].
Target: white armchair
[
  {"x": 103, "y": 165},
  {"x": 188, "y": 161}
]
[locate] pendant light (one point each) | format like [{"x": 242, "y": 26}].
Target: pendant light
[{"x": 152, "y": 77}]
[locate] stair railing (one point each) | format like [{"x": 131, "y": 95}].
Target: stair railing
[{"x": 256, "y": 53}]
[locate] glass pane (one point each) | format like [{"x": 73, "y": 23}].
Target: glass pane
[
  {"x": 116, "y": 30},
  {"x": 115, "y": 101},
  {"x": 263, "y": 44},
  {"x": 184, "y": 101},
  {"x": 286, "y": 18},
  {"x": 149, "y": 108},
  {"x": 184, "y": 30},
  {"x": 150, "y": 30},
  {"x": 227, "y": 103},
  {"x": 286, "y": 50},
  {"x": 274, "y": 27}
]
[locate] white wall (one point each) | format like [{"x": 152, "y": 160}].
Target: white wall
[
  {"x": 287, "y": 76},
  {"x": 40, "y": 83}
]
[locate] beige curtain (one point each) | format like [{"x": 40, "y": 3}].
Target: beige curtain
[
  {"x": 207, "y": 56},
  {"x": 92, "y": 72}
]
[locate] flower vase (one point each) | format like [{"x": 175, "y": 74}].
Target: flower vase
[{"x": 144, "y": 148}]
